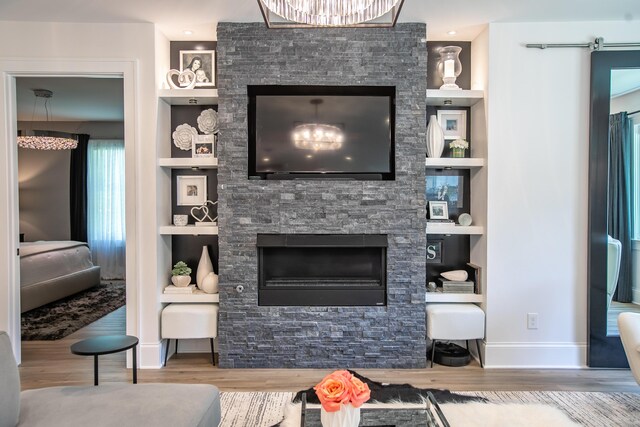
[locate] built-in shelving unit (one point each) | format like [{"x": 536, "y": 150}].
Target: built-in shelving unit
[
  {"x": 189, "y": 96},
  {"x": 188, "y": 298},
  {"x": 472, "y": 230},
  {"x": 454, "y": 98},
  {"x": 189, "y": 230},
  {"x": 453, "y": 163},
  {"x": 449, "y": 297},
  {"x": 188, "y": 163}
]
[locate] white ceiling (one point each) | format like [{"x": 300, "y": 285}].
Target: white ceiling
[
  {"x": 467, "y": 17},
  {"x": 624, "y": 81},
  {"x": 101, "y": 99}
]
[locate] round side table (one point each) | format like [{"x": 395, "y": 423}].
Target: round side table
[{"x": 106, "y": 345}]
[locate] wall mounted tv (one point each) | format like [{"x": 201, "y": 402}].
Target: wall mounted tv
[{"x": 321, "y": 132}]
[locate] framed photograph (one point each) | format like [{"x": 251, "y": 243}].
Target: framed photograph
[
  {"x": 438, "y": 210},
  {"x": 448, "y": 188},
  {"x": 434, "y": 252},
  {"x": 453, "y": 123},
  {"x": 203, "y": 65},
  {"x": 203, "y": 146},
  {"x": 192, "y": 190}
]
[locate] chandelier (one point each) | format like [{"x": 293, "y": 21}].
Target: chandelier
[
  {"x": 46, "y": 140},
  {"x": 330, "y": 13},
  {"x": 317, "y": 136}
]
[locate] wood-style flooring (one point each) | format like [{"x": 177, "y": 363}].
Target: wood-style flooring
[
  {"x": 612, "y": 315},
  {"x": 50, "y": 363}
]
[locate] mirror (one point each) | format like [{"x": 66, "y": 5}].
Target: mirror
[{"x": 614, "y": 198}]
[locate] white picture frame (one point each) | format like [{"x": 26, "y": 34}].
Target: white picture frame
[
  {"x": 203, "y": 146},
  {"x": 191, "y": 190},
  {"x": 438, "y": 210},
  {"x": 205, "y": 71},
  {"x": 453, "y": 123}
]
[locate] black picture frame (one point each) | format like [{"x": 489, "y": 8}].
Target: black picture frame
[{"x": 434, "y": 252}]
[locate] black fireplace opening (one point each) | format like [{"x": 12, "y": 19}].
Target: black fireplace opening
[{"x": 322, "y": 269}]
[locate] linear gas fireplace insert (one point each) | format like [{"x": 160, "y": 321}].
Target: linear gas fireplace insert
[{"x": 322, "y": 269}]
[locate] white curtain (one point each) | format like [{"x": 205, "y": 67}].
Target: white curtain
[{"x": 105, "y": 206}]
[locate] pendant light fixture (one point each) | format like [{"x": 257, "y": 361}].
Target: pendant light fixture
[
  {"x": 317, "y": 136},
  {"x": 330, "y": 13},
  {"x": 45, "y": 140}
]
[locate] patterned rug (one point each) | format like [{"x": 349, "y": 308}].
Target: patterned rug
[
  {"x": 261, "y": 409},
  {"x": 63, "y": 317}
]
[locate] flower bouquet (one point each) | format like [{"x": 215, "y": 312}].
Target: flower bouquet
[
  {"x": 457, "y": 147},
  {"x": 341, "y": 395}
]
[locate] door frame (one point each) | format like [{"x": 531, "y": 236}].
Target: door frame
[{"x": 9, "y": 214}]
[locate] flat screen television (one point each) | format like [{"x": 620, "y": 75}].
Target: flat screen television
[{"x": 321, "y": 132}]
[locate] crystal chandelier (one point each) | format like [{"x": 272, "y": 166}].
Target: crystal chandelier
[
  {"x": 330, "y": 13},
  {"x": 317, "y": 136},
  {"x": 45, "y": 140}
]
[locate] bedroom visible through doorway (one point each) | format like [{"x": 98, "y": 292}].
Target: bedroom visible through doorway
[{"x": 71, "y": 207}]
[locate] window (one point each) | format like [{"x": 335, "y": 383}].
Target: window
[
  {"x": 635, "y": 181},
  {"x": 105, "y": 206}
]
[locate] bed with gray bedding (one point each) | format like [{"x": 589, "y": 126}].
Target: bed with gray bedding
[{"x": 50, "y": 270}]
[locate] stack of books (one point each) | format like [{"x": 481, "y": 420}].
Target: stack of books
[
  {"x": 457, "y": 287},
  {"x": 171, "y": 289}
]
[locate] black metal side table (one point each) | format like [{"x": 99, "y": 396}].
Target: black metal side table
[{"x": 106, "y": 345}]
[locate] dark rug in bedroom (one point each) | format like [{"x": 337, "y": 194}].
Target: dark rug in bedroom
[{"x": 63, "y": 317}]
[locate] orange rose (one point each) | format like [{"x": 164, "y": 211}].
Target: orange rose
[
  {"x": 334, "y": 390},
  {"x": 360, "y": 392}
]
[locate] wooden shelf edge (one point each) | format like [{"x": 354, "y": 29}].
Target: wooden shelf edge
[
  {"x": 454, "y": 98},
  {"x": 184, "y": 96},
  {"x": 449, "y": 297},
  {"x": 190, "y": 298},
  {"x": 189, "y": 230},
  {"x": 187, "y": 162},
  {"x": 454, "y": 163},
  {"x": 458, "y": 229}
]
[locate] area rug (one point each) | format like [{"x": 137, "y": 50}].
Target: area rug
[
  {"x": 531, "y": 409},
  {"x": 63, "y": 317}
]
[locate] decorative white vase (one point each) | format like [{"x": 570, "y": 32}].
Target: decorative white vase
[
  {"x": 347, "y": 416},
  {"x": 210, "y": 283},
  {"x": 181, "y": 281},
  {"x": 204, "y": 266},
  {"x": 435, "y": 138}
]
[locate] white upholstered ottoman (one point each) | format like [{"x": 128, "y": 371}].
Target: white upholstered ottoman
[
  {"x": 189, "y": 321},
  {"x": 453, "y": 322}
]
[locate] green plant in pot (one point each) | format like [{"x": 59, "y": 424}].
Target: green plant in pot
[
  {"x": 180, "y": 275},
  {"x": 458, "y": 148}
]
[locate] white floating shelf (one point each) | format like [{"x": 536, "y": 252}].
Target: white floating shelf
[
  {"x": 457, "y": 229},
  {"x": 189, "y": 230},
  {"x": 448, "y": 297},
  {"x": 184, "y": 96},
  {"x": 199, "y": 297},
  {"x": 188, "y": 163},
  {"x": 457, "y": 98},
  {"x": 451, "y": 163}
]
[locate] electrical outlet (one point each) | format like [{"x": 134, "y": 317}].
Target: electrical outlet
[{"x": 532, "y": 320}]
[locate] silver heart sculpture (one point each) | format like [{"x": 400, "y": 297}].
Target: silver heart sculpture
[
  {"x": 203, "y": 212},
  {"x": 186, "y": 79}
]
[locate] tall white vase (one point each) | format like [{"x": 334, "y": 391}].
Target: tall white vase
[
  {"x": 204, "y": 266},
  {"x": 435, "y": 138}
]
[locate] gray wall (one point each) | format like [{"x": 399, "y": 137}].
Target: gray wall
[
  {"x": 43, "y": 183},
  {"x": 327, "y": 337}
]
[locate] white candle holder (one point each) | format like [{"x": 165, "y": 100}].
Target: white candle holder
[{"x": 449, "y": 66}]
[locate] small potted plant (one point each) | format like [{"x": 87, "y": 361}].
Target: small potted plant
[
  {"x": 180, "y": 275},
  {"x": 457, "y": 147}
]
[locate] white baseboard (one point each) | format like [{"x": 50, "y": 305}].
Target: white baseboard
[
  {"x": 547, "y": 355},
  {"x": 150, "y": 356}
]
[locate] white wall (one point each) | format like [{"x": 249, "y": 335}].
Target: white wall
[
  {"x": 538, "y": 127},
  {"x": 43, "y": 177},
  {"x": 61, "y": 45}
]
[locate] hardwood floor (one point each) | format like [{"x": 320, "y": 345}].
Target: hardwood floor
[
  {"x": 612, "y": 315},
  {"x": 50, "y": 363}
]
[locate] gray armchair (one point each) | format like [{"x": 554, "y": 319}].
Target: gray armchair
[
  {"x": 118, "y": 405},
  {"x": 629, "y": 325}
]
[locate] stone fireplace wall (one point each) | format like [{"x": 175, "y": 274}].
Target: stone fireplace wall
[{"x": 253, "y": 336}]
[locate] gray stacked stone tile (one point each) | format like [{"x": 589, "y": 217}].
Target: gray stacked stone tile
[{"x": 253, "y": 336}]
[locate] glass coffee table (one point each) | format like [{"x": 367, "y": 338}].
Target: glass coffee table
[{"x": 428, "y": 414}]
